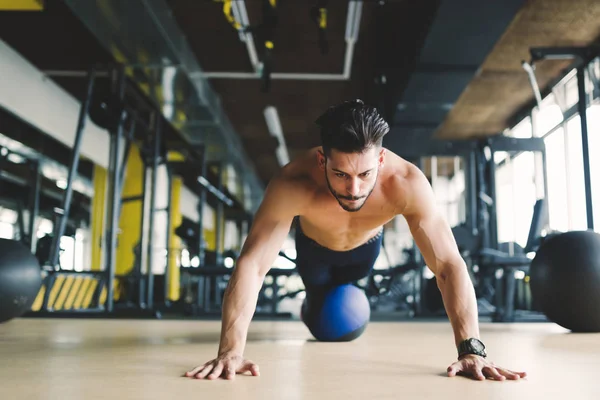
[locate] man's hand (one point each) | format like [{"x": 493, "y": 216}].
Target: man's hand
[
  {"x": 479, "y": 368},
  {"x": 226, "y": 365}
]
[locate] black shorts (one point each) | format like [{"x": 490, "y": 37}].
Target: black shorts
[{"x": 319, "y": 266}]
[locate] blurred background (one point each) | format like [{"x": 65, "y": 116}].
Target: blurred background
[{"x": 137, "y": 138}]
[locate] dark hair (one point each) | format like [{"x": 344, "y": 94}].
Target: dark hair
[{"x": 351, "y": 127}]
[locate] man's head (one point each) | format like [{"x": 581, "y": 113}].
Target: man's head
[{"x": 352, "y": 135}]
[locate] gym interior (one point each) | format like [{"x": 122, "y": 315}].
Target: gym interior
[{"x": 137, "y": 139}]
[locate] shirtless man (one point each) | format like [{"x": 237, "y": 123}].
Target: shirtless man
[{"x": 342, "y": 193}]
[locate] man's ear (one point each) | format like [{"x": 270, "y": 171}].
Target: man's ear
[
  {"x": 321, "y": 159},
  {"x": 382, "y": 157}
]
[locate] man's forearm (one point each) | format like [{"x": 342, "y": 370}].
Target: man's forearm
[
  {"x": 239, "y": 305},
  {"x": 459, "y": 301}
]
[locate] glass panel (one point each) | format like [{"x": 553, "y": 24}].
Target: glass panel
[
  {"x": 80, "y": 243},
  {"x": 447, "y": 177},
  {"x": 45, "y": 227},
  {"x": 576, "y": 183},
  {"x": 9, "y": 216},
  {"x": 8, "y": 220},
  {"x": 505, "y": 203},
  {"x": 7, "y": 230},
  {"x": 516, "y": 195},
  {"x": 557, "y": 181},
  {"x": 593, "y": 115},
  {"x": 525, "y": 195},
  {"x": 547, "y": 117},
  {"x": 67, "y": 255},
  {"x": 500, "y": 156},
  {"x": 571, "y": 92},
  {"x": 523, "y": 129}
]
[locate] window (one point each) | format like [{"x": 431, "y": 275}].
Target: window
[
  {"x": 231, "y": 236},
  {"x": 45, "y": 227},
  {"x": 564, "y": 156},
  {"x": 523, "y": 129},
  {"x": 571, "y": 91},
  {"x": 7, "y": 231},
  {"x": 516, "y": 194},
  {"x": 8, "y": 220},
  {"x": 557, "y": 180},
  {"x": 547, "y": 117},
  {"x": 505, "y": 204},
  {"x": 575, "y": 189},
  {"x": 593, "y": 116},
  {"x": 525, "y": 195},
  {"x": 449, "y": 186},
  {"x": 67, "y": 255}
]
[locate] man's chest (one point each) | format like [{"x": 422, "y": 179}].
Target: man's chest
[{"x": 327, "y": 214}]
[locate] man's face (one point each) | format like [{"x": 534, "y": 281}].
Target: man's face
[{"x": 351, "y": 177}]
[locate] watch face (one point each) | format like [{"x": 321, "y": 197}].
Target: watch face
[{"x": 477, "y": 345}]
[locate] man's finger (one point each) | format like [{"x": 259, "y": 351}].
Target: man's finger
[
  {"x": 197, "y": 369},
  {"x": 520, "y": 374},
  {"x": 216, "y": 372},
  {"x": 477, "y": 374},
  {"x": 229, "y": 372},
  {"x": 208, "y": 369},
  {"x": 510, "y": 374},
  {"x": 493, "y": 373},
  {"x": 249, "y": 366},
  {"x": 194, "y": 371},
  {"x": 452, "y": 370},
  {"x": 204, "y": 371}
]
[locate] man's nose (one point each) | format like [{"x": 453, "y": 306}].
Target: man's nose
[{"x": 353, "y": 187}]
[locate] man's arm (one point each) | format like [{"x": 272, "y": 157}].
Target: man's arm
[
  {"x": 435, "y": 240},
  {"x": 270, "y": 227},
  {"x": 284, "y": 199}
]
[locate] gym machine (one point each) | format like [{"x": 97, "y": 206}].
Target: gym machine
[
  {"x": 498, "y": 264},
  {"x": 92, "y": 293},
  {"x": 203, "y": 284},
  {"x": 396, "y": 290},
  {"x": 26, "y": 226},
  {"x": 498, "y": 270}
]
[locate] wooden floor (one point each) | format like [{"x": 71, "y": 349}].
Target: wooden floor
[{"x": 119, "y": 359}]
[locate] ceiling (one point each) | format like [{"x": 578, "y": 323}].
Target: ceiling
[
  {"x": 389, "y": 38},
  {"x": 501, "y": 89},
  {"x": 435, "y": 68}
]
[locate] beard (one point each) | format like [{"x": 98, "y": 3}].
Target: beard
[{"x": 340, "y": 197}]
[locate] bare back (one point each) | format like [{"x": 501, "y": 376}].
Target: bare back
[{"x": 320, "y": 215}]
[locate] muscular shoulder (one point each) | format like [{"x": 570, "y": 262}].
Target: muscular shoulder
[
  {"x": 406, "y": 186},
  {"x": 294, "y": 185}
]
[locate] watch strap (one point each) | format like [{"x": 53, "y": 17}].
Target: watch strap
[{"x": 466, "y": 347}]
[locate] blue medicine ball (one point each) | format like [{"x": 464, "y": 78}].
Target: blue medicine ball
[{"x": 339, "y": 314}]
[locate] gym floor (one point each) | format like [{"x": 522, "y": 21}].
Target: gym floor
[{"x": 123, "y": 359}]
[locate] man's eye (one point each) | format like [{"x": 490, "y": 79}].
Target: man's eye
[
  {"x": 339, "y": 175},
  {"x": 366, "y": 174}
]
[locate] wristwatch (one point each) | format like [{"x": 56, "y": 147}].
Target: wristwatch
[{"x": 471, "y": 346}]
